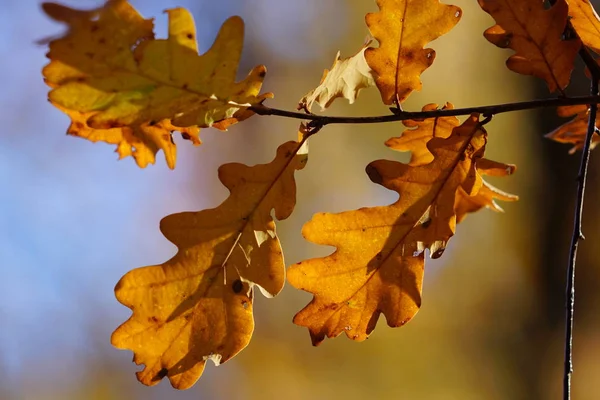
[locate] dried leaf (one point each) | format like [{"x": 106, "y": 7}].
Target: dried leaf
[
  {"x": 198, "y": 305},
  {"x": 403, "y": 28},
  {"x": 415, "y": 140},
  {"x": 488, "y": 193},
  {"x": 539, "y": 48},
  {"x": 574, "y": 131},
  {"x": 346, "y": 78},
  {"x": 586, "y": 23},
  {"x": 110, "y": 73},
  {"x": 377, "y": 266},
  {"x": 423, "y": 130},
  {"x": 485, "y": 197},
  {"x": 141, "y": 147}
]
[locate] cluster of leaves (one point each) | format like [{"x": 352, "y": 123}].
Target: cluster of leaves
[{"x": 120, "y": 85}]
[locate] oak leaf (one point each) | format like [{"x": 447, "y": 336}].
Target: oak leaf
[
  {"x": 487, "y": 195},
  {"x": 585, "y": 20},
  {"x": 345, "y": 79},
  {"x": 110, "y": 73},
  {"x": 377, "y": 266},
  {"x": 423, "y": 130},
  {"x": 539, "y": 48},
  {"x": 485, "y": 198},
  {"x": 141, "y": 147},
  {"x": 198, "y": 305},
  {"x": 403, "y": 28},
  {"x": 574, "y": 131}
]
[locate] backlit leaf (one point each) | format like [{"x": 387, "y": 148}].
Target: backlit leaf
[
  {"x": 535, "y": 34},
  {"x": 415, "y": 140},
  {"x": 110, "y": 73},
  {"x": 403, "y": 28},
  {"x": 574, "y": 131},
  {"x": 345, "y": 79},
  {"x": 485, "y": 198},
  {"x": 198, "y": 305},
  {"x": 377, "y": 266},
  {"x": 422, "y": 131},
  {"x": 586, "y": 23}
]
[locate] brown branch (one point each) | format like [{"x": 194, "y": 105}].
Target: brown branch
[
  {"x": 589, "y": 61},
  {"x": 490, "y": 110},
  {"x": 577, "y": 236}
]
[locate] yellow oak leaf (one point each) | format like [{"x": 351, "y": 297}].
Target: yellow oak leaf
[
  {"x": 345, "y": 79},
  {"x": 586, "y": 23},
  {"x": 109, "y": 72},
  {"x": 574, "y": 131},
  {"x": 415, "y": 140},
  {"x": 420, "y": 133},
  {"x": 141, "y": 147},
  {"x": 198, "y": 305},
  {"x": 539, "y": 48},
  {"x": 403, "y": 28},
  {"x": 489, "y": 167},
  {"x": 485, "y": 197},
  {"x": 377, "y": 266}
]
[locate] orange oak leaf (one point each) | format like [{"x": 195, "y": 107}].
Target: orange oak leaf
[
  {"x": 141, "y": 147},
  {"x": 539, "y": 48},
  {"x": 415, "y": 140},
  {"x": 586, "y": 23},
  {"x": 574, "y": 131},
  {"x": 403, "y": 28},
  {"x": 377, "y": 266},
  {"x": 484, "y": 198},
  {"x": 487, "y": 195},
  {"x": 422, "y": 131},
  {"x": 110, "y": 73},
  {"x": 198, "y": 305},
  {"x": 346, "y": 78}
]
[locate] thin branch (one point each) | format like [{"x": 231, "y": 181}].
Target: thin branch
[
  {"x": 577, "y": 236},
  {"x": 323, "y": 120},
  {"x": 588, "y": 60}
]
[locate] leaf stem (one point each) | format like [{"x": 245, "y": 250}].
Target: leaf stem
[
  {"x": 577, "y": 236},
  {"x": 323, "y": 120}
]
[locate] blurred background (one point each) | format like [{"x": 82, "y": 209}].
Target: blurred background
[{"x": 73, "y": 220}]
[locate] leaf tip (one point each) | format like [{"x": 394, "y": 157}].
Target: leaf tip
[{"x": 374, "y": 174}]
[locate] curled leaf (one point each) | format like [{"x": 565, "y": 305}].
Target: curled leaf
[
  {"x": 422, "y": 131},
  {"x": 485, "y": 198},
  {"x": 377, "y": 266},
  {"x": 345, "y": 79},
  {"x": 487, "y": 195},
  {"x": 416, "y": 139},
  {"x": 574, "y": 131},
  {"x": 110, "y": 73},
  {"x": 198, "y": 305}
]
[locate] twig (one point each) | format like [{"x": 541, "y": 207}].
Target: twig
[
  {"x": 588, "y": 60},
  {"x": 323, "y": 120},
  {"x": 577, "y": 236}
]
